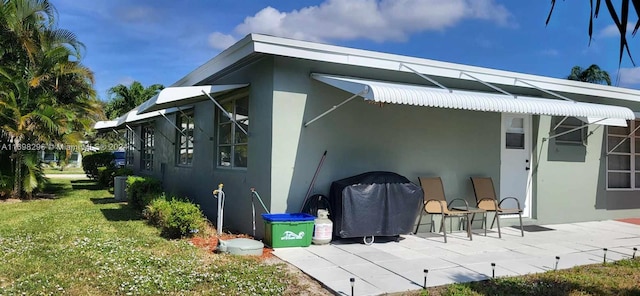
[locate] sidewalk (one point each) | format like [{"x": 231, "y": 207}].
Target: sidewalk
[{"x": 387, "y": 267}]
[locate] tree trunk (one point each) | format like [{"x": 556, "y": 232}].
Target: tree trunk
[{"x": 17, "y": 184}]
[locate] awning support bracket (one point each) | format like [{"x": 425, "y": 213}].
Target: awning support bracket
[
  {"x": 489, "y": 84},
  {"x": 115, "y": 131},
  {"x": 426, "y": 77},
  {"x": 136, "y": 135},
  {"x": 174, "y": 126},
  {"x": 225, "y": 112},
  {"x": 623, "y": 140},
  {"x": 560, "y": 123},
  {"x": 364, "y": 91},
  {"x": 190, "y": 118},
  {"x": 545, "y": 91},
  {"x": 573, "y": 130}
]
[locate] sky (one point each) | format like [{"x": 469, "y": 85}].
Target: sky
[{"x": 161, "y": 41}]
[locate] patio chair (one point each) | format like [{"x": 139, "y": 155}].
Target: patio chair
[
  {"x": 435, "y": 203},
  {"x": 487, "y": 200}
]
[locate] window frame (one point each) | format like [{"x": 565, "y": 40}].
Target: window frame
[
  {"x": 632, "y": 154},
  {"x": 185, "y": 135},
  {"x": 147, "y": 147},
  {"x": 130, "y": 147},
  {"x": 562, "y": 125},
  {"x": 222, "y": 120}
]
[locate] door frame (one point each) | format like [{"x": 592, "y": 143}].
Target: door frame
[{"x": 528, "y": 200}]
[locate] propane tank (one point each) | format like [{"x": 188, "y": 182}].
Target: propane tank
[{"x": 323, "y": 228}]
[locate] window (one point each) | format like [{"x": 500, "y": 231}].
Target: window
[
  {"x": 565, "y": 124},
  {"x": 232, "y": 141},
  {"x": 514, "y": 137},
  {"x": 130, "y": 148},
  {"x": 623, "y": 157},
  {"x": 184, "y": 153},
  {"x": 147, "y": 147}
]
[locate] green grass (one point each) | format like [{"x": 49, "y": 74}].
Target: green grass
[
  {"x": 57, "y": 171},
  {"x": 618, "y": 278},
  {"x": 84, "y": 243}
]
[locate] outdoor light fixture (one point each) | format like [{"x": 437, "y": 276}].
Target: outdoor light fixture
[
  {"x": 604, "y": 259},
  {"x": 493, "y": 270},
  {"x": 634, "y": 253},
  {"x": 557, "y": 260},
  {"x": 353, "y": 281},
  {"x": 426, "y": 271}
]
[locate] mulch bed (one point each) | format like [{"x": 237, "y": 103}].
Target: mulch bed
[
  {"x": 210, "y": 243},
  {"x": 635, "y": 221}
]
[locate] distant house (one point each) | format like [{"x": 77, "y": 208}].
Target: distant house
[
  {"x": 53, "y": 157},
  {"x": 570, "y": 151}
]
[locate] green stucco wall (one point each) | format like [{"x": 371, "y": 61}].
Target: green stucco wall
[
  {"x": 570, "y": 180},
  {"x": 360, "y": 137}
]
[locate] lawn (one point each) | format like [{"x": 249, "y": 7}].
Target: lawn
[
  {"x": 621, "y": 278},
  {"x": 84, "y": 243},
  {"x": 57, "y": 171}
]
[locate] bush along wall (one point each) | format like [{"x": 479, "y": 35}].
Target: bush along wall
[
  {"x": 176, "y": 217},
  {"x": 91, "y": 163},
  {"x": 106, "y": 175},
  {"x": 142, "y": 190}
]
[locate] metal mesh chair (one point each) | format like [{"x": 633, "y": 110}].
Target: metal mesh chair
[
  {"x": 435, "y": 203},
  {"x": 487, "y": 200}
]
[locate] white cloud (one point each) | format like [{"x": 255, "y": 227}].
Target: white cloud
[
  {"x": 612, "y": 31},
  {"x": 377, "y": 20},
  {"x": 629, "y": 76},
  {"x": 221, "y": 41}
]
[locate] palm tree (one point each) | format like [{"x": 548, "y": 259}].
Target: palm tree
[
  {"x": 593, "y": 74},
  {"x": 46, "y": 94},
  {"x": 620, "y": 20},
  {"x": 124, "y": 98}
]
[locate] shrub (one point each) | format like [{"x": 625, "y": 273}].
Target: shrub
[
  {"x": 91, "y": 163},
  {"x": 142, "y": 190},
  {"x": 106, "y": 174},
  {"x": 175, "y": 217}
]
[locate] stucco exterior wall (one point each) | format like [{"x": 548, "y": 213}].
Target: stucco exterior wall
[
  {"x": 197, "y": 181},
  {"x": 570, "y": 180},
  {"x": 360, "y": 137}
]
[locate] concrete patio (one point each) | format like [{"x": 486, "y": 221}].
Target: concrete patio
[{"x": 390, "y": 266}]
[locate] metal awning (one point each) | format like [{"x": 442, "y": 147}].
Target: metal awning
[
  {"x": 135, "y": 116},
  {"x": 107, "y": 124},
  {"x": 417, "y": 95},
  {"x": 179, "y": 96}
]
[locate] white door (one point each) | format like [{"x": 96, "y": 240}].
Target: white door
[{"x": 515, "y": 161}]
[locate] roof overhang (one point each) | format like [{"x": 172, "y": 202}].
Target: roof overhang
[
  {"x": 260, "y": 45},
  {"x": 107, "y": 124},
  {"x": 179, "y": 96},
  {"x": 406, "y": 94}
]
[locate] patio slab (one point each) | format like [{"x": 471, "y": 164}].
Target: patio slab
[{"x": 397, "y": 266}]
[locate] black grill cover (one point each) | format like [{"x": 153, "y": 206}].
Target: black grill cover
[{"x": 374, "y": 204}]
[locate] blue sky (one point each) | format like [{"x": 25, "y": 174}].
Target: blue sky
[{"x": 160, "y": 41}]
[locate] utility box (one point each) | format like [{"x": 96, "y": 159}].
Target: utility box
[
  {"x": 120, "y": 188},
  {"x": 288, "y": 230}
]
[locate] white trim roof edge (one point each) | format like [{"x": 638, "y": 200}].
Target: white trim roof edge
[{"x": 264, "y": 44}]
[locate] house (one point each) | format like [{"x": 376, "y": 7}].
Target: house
[{"x": 262, "y": 112}]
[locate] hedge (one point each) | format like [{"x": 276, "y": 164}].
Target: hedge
[{"x": 91, "y": 163}]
